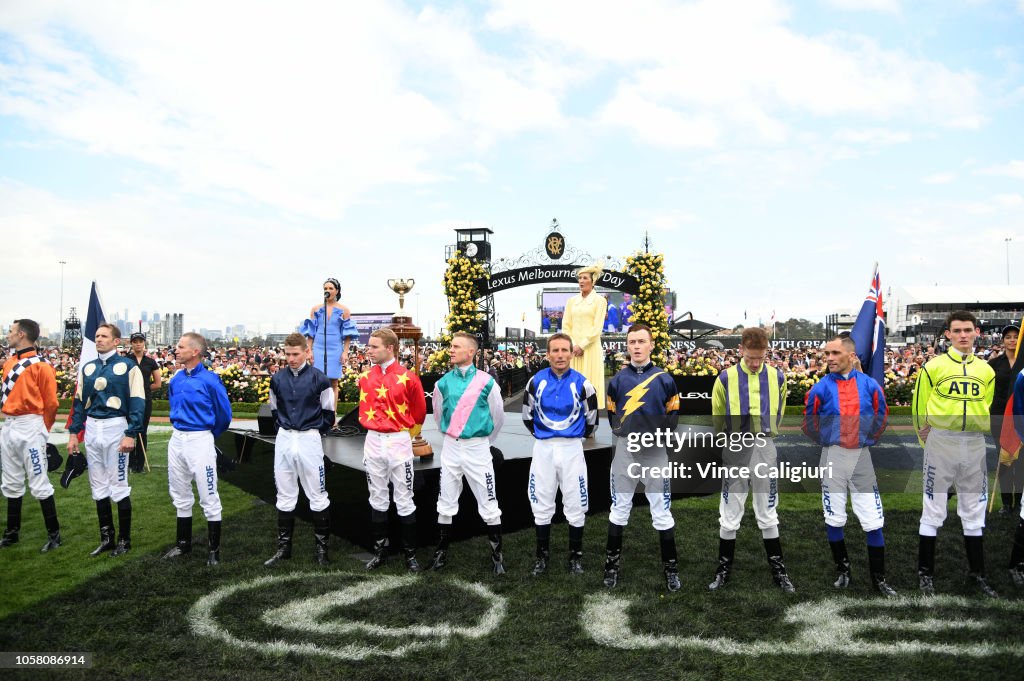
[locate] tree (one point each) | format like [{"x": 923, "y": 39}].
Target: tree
[{"x": 799, "y": 328}]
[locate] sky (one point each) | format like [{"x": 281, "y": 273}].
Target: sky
[{"x": 222, "y": 159}]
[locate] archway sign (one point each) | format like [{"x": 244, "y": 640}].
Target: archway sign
[{"x": 554, "y": 261}]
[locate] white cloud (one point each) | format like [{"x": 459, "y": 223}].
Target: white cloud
[
  {"x": 658, "y": 125},
  {"x": 589, "y": 187},
  {"x": 1014, "y": 169},
  {"x": 874, "y": 136},
  {"x": 738, "y": 67},
  {"x": 939, "y": 178},
  {"x": 924, "y": 230},
  {"x": 152, "y": 251},
  {"x": 883, "y": 6},
  {"x": 332, "y": 126},
  {"x": 670, "y": 222},
  {"x": 477, "y": 170},
  {"x": 301, "y": 110},
  {"x": 445, "y": 228}
]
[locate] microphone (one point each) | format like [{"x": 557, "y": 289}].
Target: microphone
[{"x": 327, "y": 294}]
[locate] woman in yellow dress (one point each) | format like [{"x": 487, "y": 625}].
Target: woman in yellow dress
[{"x": 583, "y": 321}]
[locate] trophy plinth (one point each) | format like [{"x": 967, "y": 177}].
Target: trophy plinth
[{"x": 404, "y": 328}]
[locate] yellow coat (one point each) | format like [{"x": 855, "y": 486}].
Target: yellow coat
[{"x": 583, "y": 321}]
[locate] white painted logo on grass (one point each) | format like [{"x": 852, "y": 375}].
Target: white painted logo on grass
[
  {"x": 823, "y": 628},
  {"x": 305, "y": 615}
]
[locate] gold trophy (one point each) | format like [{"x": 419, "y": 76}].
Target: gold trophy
[
  {"x": 405, "y": 330},
  {"x": 401, "y": 287}
]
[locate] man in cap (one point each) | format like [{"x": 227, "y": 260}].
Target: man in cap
[{"x": 151, "y": 380}]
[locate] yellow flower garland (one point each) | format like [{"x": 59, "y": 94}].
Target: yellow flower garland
[
  {"x": 463, "y": 313},
  {"x": 649, "y": 304}
]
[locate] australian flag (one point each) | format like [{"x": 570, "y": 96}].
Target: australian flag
[
  {"x": 93, "y": 318},
  {"x": 869, "y": 332}
]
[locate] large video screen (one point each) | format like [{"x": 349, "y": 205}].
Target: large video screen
[
  {"x": 617, "y": 316},
  {"x": 367, "y": 323}
]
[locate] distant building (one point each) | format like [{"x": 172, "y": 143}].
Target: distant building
[
  {"x": 177, "y": 325},
  {"x": 168, "y": 330},
  {"x": 839, "y": 321},
  {"x": 920, "y": 311}
]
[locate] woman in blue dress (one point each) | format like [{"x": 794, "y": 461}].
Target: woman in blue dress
[{"x": 340, "y": 331}]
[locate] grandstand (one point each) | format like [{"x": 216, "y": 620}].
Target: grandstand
[{"x": 917, "y": 313}]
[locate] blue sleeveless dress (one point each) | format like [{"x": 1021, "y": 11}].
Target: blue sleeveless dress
[{"x": 337, "y": 330}]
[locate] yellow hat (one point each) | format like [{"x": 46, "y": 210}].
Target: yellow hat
[{"x": 594, "y": 270}]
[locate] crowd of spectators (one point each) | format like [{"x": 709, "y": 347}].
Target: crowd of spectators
[
  {"x": 903, "y": 362},
  {"x": 251, "y": 367},
  {"x": 804, "y": 366}
]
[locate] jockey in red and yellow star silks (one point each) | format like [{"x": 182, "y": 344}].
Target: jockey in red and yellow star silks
[{"x": 391, "y": 400}]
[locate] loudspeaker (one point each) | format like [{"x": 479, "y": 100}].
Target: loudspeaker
[{"x": 267, "y": 424}]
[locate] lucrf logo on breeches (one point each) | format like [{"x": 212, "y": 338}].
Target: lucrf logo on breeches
[
  {"x": 826, "y": 500},
  {"x": 37, "y": 467},
  {"x": 533, "y": 488},
  {"x": 489, "y": 482},
  {"x": 122, "y": 472},
  {"x": 929, "y": 482},
  {"x": 408, "y": 475},
  {"x": 211, "y": 483},
  {"x": 584, "y": 497},
  {"x": 323, "y": 482}
]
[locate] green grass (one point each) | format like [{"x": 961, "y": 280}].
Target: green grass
[
  {"x": 153, "y": 528},
  {"x": 133, "y": 613}
]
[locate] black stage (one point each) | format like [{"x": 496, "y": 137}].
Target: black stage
[
  {"x": 899, "y": 454},
  {"x": 346, "y": 481}
]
